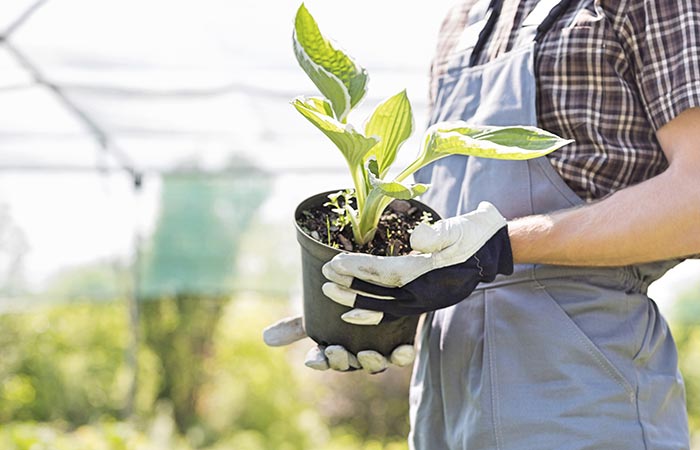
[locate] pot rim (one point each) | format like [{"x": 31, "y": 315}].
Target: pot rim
[
  {"x": 300, "y": 232},
  {"x": 325, "y": 247}
]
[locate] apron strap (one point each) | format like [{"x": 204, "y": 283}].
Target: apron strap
[
  {"x": 481, "y": 20},
  {"x": 479, "y": 11},
  {"x": 541, "y": 19},
  {"x": 487, "y": 27}
]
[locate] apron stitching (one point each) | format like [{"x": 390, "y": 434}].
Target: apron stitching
[
  {"x": 639, "y": 416},
  {"x": 532, "y": 89},
  {"x": 648, "y": 332},
  {"x": 494, "y": 380},
  {"x": 534, "y": 275},
  {"x": 636, "y": 376},
  {"x": 529, "y": 185},
  {"x": 569, "y": 195}
]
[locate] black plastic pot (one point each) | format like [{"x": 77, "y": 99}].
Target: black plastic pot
[{"x": 322, "y": 320}]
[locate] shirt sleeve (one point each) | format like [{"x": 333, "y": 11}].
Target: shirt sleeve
[{"x": 663, "y": 38}]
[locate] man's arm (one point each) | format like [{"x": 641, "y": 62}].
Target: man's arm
[{"x": 654, "y": 220}]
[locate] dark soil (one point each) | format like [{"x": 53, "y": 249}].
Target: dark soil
[{"x": 393, "y": 233}]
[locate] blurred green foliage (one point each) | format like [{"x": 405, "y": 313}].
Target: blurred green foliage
[
  {"x": 64, "y": 366},
  {"x": 60, "y": 364},
  {"x": 205, "y": 379},
  {"x": 188, "y": 273},
  {"x": 62, "y": 386},
  {"x": 179, "y": 331},
  {"x": 685, "y": 326}
]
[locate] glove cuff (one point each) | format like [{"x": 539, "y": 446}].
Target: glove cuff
[
  {"x": 496, "y": 256},
  {"x": 505, "y": 261}
]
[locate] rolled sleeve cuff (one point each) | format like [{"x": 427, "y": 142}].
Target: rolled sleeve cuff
[{"x": 666, "y": 108}]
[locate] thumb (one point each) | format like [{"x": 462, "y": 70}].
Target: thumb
[
  {"x": 433, "y": 238},
  {"x": 284, "y": 332}
]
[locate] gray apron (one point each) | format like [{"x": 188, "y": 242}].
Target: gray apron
[{"x": 550, "y": 357}]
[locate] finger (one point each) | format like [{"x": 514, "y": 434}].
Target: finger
[
  {"x": 339, "y": 294},
  {"x": 359, "y": 316},
  {"x": 393, "y": 271},
  {"x": 372, "y": 361},
  {"x": 331, "y": 274},
  {"x": 284, "y": 332},
  {"x": 348, "y": 297},
  {"x": 354, "y": 362},
  {"x": 316, "y": 359},
  {"x": 403, "y": 355},
  {"x": 338, "y": 357}
]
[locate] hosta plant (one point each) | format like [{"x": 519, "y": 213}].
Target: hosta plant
[{"x": 371, "y": 150}]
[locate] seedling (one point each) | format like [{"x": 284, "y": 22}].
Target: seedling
[
  {"x": 371, "y": 150},
  {"x": 342, "y": 219}
]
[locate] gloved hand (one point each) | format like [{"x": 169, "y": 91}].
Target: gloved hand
[
  {"x": 291, "y": 329},
  {"x": 456, "y": 254}
]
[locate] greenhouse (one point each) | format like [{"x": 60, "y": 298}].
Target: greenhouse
[{"x": 150, "y": 167}]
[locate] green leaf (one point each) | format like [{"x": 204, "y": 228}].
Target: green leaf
[
  {"x": 352, "y": 144},
  {"x": 318, "y": 104},
  {"x": 395, "y": 189},
  {"x": 336, "y": 74},
  {"x": 460, "y": 138},
  {"x": 372, "y": 166},
  {"x": 513, "y": 143},
  {"x": 329, "y": 85},
  {"x": 392, "y": 122}
]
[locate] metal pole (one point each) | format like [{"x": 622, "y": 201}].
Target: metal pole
[{"x": 133, "y": 299}]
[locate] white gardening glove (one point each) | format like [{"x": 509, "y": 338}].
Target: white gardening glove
[
  {"x": 291, "y": 329},
  {"x": 456, "y": 254}
]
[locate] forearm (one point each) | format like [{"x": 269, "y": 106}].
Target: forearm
[{"x": 654, "y": 220}]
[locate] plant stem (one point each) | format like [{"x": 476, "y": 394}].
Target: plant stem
[
  {"x": 359, "y": 180},
  {"x": 375, "y": 206},
  {"x": 413, "y": 167}
]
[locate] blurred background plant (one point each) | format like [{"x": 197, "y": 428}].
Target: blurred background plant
[
  {"x": 63, "y": 383},
  {"x": 149, "y": 169}
]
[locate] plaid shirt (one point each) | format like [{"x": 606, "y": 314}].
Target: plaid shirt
[{"x": 609, "y": 74}]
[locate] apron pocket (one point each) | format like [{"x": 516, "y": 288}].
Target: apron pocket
[
  {"x": 585, "y": 342},
  {"x": 552, "y": 387}
]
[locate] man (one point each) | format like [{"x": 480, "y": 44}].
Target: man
[{"x": 555, "y": 345}]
